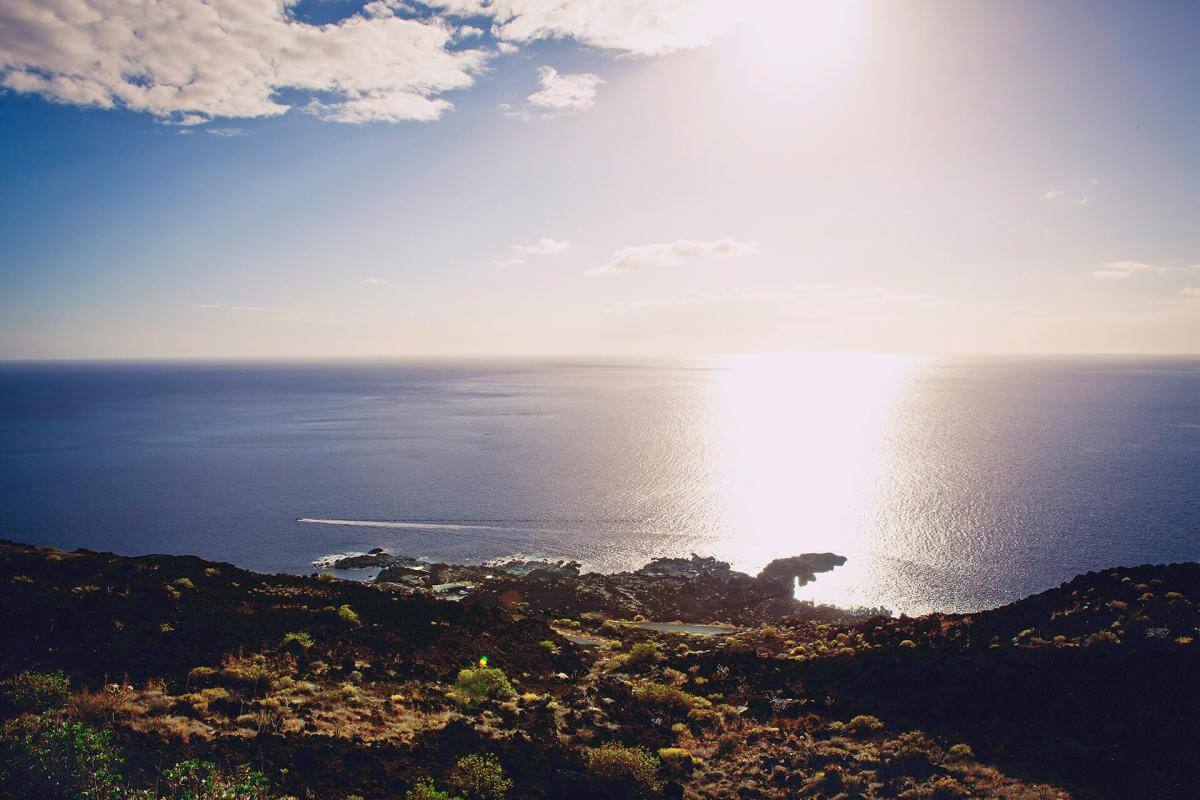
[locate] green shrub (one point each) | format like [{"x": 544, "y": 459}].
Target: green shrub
[
  {"x": 349, "y": 615},
  {"x": 865, "y": 723},
  {"x": 183, "y": 583},
  {"x": 50, "y": 759},
  {"x": 548, "y": 646},
  {"x": 961, "y": 752},
  {"x": 473, "y": 686},
  {"x": 668, "y": 697},
  {"x": 676, "y": 759},
  {"x": 424, "y": 789},
  {"x": 629, "y": 768},
  {"x": 643, "y": 653},
  {"x": 297, "y": 641},
  {"x": 36, "y": 692},
  {"x": 201, "y": 780},
  {"x": 480, "y": 778}
]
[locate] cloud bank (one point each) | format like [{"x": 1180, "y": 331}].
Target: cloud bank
[{"x": 189, "y": 61}]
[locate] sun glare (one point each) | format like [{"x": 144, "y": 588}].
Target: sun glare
[
  {"x": 798, "y": 442},
  {"x": 805, "y": 40}
]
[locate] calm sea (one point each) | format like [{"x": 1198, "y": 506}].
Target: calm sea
[{"x": 951, "y": 484}]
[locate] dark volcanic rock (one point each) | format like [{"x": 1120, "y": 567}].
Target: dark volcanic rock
[
  {"x": 803, "y": 568},
  {"x": 695, "y": 589},
  {"x": 518, "y": 566},
  {"x": 375, "y": 558},
  {"x": 693, "y": 567},
  {"x": 402, "y": 573}
]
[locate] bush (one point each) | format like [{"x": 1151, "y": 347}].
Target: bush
[
  {"x": 349, "y": 615},
  {"x": 625, "y": 767},
  {"x": 57, "y": 760},
  {"x": 424, "y": 789},
  {"x": 961, "y": 752},
  {"x": 200, "y": 674},
  {"x": 907, "y": 755},
  {"x": 480, "y": 778},
  {"x": 473, "y": 686},
  {"x": 298, "y": 641},
  {"x": 827, "y": 781},
  {"x": 643, "y": 653},
  {"x": 675, "y": 759},
  {"x": 947, "y": 788},
  {"x": 35, "y": 692},
  {"x": 668, "y": 697},
  {"x": 101, "y": 707},
  {"x": 201, "y": 780},
  {"x": 865, "y": 723}
]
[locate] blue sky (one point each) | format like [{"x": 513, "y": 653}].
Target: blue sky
[{"x": 985, "y": 177}]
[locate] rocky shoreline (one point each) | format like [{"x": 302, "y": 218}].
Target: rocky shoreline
[{"x": 695, "y": 589}]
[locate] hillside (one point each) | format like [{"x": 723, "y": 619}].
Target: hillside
[{"x": 167, "y": 676}]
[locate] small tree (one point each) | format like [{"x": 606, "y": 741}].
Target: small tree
[
  {"x": 52, "y": 759},
  {"x": 473, "y": 686},
  {"x": 480, "y": 778}
]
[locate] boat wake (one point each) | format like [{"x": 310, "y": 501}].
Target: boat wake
[{"x": 407, "y": 524}]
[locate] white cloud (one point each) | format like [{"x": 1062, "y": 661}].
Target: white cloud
[
  {"x": 1119, "y": 270},
  {"x": 507, "y": 47},
  {"x": 376, "y": 281},
  {"x": 188, "y": 61},
  {"x": 563, "y": 92},
  {"x": 1191, "y": 291},
  {"x": 632, "y": 27},
  {"x": 1055, "y": 193},
  {"x": 542, "y": 247},
  {"x": 226, "y": 133},
  {"x": 670, "y": 254}
]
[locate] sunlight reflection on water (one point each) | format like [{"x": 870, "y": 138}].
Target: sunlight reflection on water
[{"x": 800, "y": 442}]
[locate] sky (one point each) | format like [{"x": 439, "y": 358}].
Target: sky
[{"x": 259, "y": 179}]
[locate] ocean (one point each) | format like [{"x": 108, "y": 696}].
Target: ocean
[{"x": 950, "y": 483}]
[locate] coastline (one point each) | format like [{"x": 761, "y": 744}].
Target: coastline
[{"x": 342, "y": 688}]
